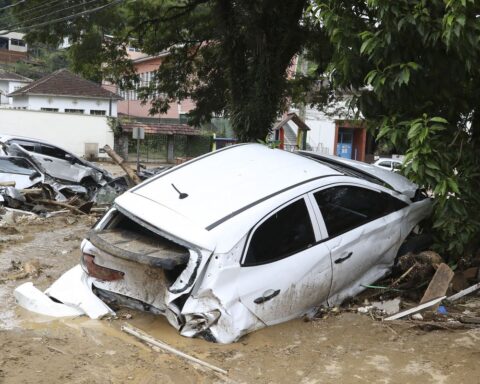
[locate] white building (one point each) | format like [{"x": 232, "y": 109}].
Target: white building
[
  {"x": 12, "y": 47},
  {"x": 64, "y": 92},
  {"x": 10, "y": 82}
]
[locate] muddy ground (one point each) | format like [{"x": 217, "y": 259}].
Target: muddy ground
[{"x": 348, "y": 348}]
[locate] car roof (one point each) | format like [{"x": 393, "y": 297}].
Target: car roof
[
  {"x": 228, "y": 181},
  {"x": 368, "y": 172},
  {"x": 4, "y": 138}
]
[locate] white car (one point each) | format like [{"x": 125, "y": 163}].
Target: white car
[
  {"x": 249, "y": 236},
  {"x": 392, "y": 165}
]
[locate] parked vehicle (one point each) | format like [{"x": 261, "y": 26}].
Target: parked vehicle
[
  {"x": 246, "y": 237},
  {"x": 392, "y": 165}
]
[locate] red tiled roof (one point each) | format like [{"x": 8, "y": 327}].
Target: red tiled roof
[
  {"x": 7, "y": 75},
  {"x": 65, "y": 83},
  {"x": 163, "y": 129}
]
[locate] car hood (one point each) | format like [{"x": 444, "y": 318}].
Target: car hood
[{"x": 396, "y": 181}]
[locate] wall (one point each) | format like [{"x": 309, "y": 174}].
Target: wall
[
  {"x": 35, "y": 103},
  {"x": 8, "y": 86},
  {"x": 70, "y": 132}
]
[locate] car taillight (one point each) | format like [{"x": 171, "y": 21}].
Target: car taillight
[{"x": 99, "y": 272}]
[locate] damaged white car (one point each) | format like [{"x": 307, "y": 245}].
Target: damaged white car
[{"x": 248, "y": 236}]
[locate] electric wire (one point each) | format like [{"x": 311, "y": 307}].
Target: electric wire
[
  {"x": 59, "y": 20},
  {"x": 49, "y": 13}
]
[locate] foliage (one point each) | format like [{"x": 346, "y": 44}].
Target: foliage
[
  {"x": 231, "y": 58},
  {"x": 42, "y": 60},
  {"x": 415, "y": 64}
]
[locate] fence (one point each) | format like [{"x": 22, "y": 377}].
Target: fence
[{"x": 154, "y": 148}]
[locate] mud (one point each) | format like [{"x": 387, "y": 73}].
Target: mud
[{"x": 347, "y": 348}]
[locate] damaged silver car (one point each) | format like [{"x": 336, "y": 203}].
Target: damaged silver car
[
  {"x": 248, "y": 236},
  {"x": 54, "y": 161}
]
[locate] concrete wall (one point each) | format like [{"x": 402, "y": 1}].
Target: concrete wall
[
  {"x": 35, "y": 103},
  {"x": 67, "y": 131},
  {"x": 8, "y": 86}
]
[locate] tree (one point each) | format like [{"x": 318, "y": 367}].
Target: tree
[
  {"x": 230, "y": 57},
  {"x": 415, "y": 65}
]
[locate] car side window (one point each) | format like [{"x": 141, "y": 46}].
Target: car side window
[
  {"x": 387, "y": 164},
  {"x": 27, "y": 145},
  {"x": 286, "y": 232},
  {"x": 52, "y": 151},
  {"x": 346, "y": 207}
]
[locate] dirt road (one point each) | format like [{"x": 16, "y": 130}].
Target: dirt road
[{"x": 348, "y": 348}]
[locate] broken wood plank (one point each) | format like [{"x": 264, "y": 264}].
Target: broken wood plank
[
  {"x": 130, "y": 329},
  {"x": 58, "y": 204},
  {"x": 418, "y": 308},
  {"x": 470, "y": 320},
  {"x": 465, "y": 292},
  {"x": 131, "y": 175},
  {"x": 439, "y": 284},
  {"x": 7, "y": 183}
]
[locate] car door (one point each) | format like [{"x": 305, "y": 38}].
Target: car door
[
  {"x": 363, "y": 227},
  {"x": 285, "y": 270}
]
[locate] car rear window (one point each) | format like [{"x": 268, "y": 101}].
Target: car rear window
[
  {"x": 286, "y": 232},
  {"x": 346, "y": 207}
]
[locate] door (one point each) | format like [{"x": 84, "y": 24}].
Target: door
[
  {"x": 345, "y": 143},
  {"x": 285, "y": 271},
  {"x": 363, "y": 228}
]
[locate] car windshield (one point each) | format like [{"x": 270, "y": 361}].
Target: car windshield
[{"x": 16, "y": 165}]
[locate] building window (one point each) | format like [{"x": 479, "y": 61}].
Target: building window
[
  {"x": 98, "y": 112},
  {"x": 71, "y": 110},
  {"x": 49, "y": 109},
  {"x": 17, "y": 42}
]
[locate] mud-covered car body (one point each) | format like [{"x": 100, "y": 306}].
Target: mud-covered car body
[
  {"x": 246, "y": 237},
  {"x": 53, "y": 160}
]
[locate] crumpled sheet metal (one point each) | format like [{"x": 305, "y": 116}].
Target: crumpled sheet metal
[{"x": 74, "y": 291}]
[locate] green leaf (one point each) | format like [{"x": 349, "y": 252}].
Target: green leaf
[{"x": 438, "y": 120}]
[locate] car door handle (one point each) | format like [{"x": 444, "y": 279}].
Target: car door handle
[
  {"x": 47, "y": 159},
  {"x": 267, "y": 295},
  {"x": 342, "y": 259}
]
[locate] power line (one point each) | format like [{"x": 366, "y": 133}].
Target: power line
[
  {"x": 27, "y": 10},
  {"x": 24, "y": 23},
  {"x": 12, "y": 5}
]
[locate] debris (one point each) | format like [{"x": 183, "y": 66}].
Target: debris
[
  {"x": 417, "y": 316},
  {"x": 131, "y": 330},
  {"x": 439, "y": 284},
  {"x": 464, "y": 278},
  {"x": 469, "y": 320},
  {"x": 465, "y": 292},
  {"x": 70, "y": 295},
  {"x": 388, "y": 307},
  {"x": 58, "y": 204},
  {"x": 132, "y": 176},
  {"x": 7, "y": 183},
  {"x": 415, "y": 309},
  {"x": 441, "y": 310}
]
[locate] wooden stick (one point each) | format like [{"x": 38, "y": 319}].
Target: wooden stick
[
  {"x": 7, "y": 183},
  {"x": 58, "y": 204},
  {"x": 149, "y": 339},
  {"x": 404, "y": 275},
  {"x": 131, "y": 175}
]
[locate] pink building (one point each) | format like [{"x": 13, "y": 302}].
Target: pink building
[{"x": 131, "y": 105}]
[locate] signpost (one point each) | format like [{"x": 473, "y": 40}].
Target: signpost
[{"x": 139, "y": 134}]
